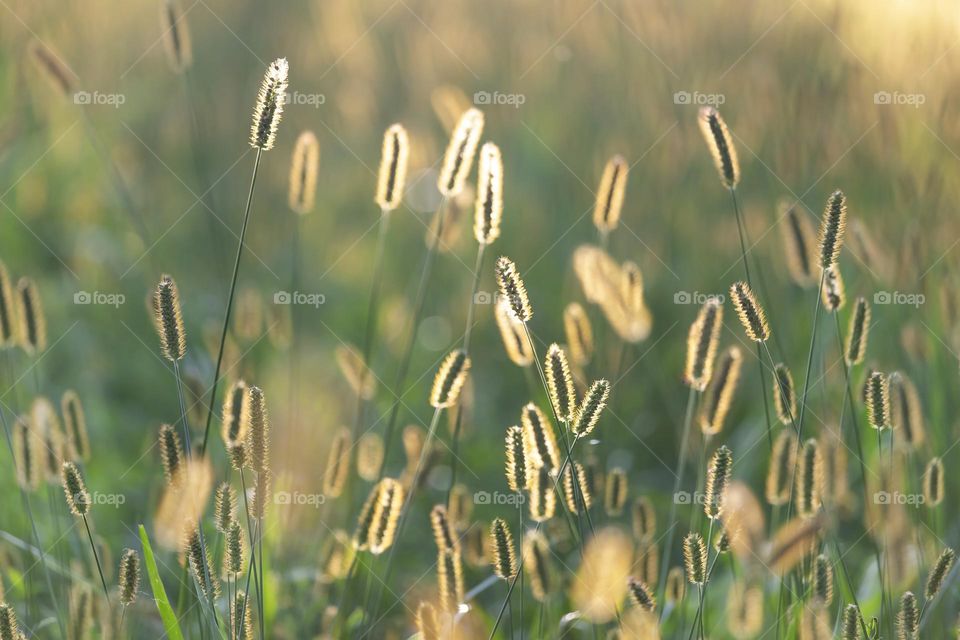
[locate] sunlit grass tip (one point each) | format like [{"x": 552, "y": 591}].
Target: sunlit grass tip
[{"x": 269, "y": 107}]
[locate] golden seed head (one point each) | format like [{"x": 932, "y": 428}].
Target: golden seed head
[
  {"x": 718, "y": 478},
  {"x": 751, "y": 314},
  {"x": 169, "y": 319},
  {"x": 563, "y": 396},
  {"x": 851, "y": 625},
  {"x": 235, "y": 421},
  {"x": 933, "y": 483},
  {"x": 719, "y": 395},
  {"x": 702, "y": 343},
  {"x": 615, "y": 493},
  {"x": 676, "y": 585},
  {"x": 906, "y": 412},
  {"x": 540, "y": 440},
  {"x": 75, "y": 489},
  {"x": 75, "y": 426},
  {"x": 832, "y": 228},
  {"x": 512, "y": 289},
  {"x": 504, "y": 555},
  {"x": 460, "y": 152},
  {"x": 27, "y": 451},
  {"x": 443, "y": 534},
  {"x": 241, "y": 617},
  {"x": 176, "y": 36},
  {"x": 939, "y": 573},
  {"x": 427, "y": 622},
  {"x": 450, "y": 580},
  {"x": 695, "y": 558},
  {"x": 579, "y": 334},
  {"x": 877, "y": 398},
  {"x": 539, "y": 565},
  {"x": 386, "y": 515},
  {"x": 822, "y": 581},
  {"x": 355, "y": 371},
  {"x": 745, "y": 611},
  {"x": 361, "y": 535},
  {"x": 543, "y": 499},
  {"x": 392, "y": 176},
  {"x": 338, "y": 464},
  {"x": 641, "y": 594},
  {"x": 202, "y": 571},
  {"x": 8, "y": 309},
  {"x": 303, "y": 173},
  {"x": 488, "y": 211},
  {"x": 856, "y": 346},
  {"x": 833, "y": 294},
  {"x": 129, "y": 577},
  {"x": 269, "y": 107},
  {"x": 781, "y": 468},
  {"x": 613, "y": 184},
  {"x": 579, "y": 493},
  {"x": 33, "y": 322},
  {"x": 224, "y": 506},
  {"x": 784, "y": 394},
  {"x": 809, "y": 480},
  {"x": 261, "y": 495},
  {"x": 721, "y": 147},
  {"x": 170, "y": 452},
  {"x": 514, "y": 336},
  {"x": 233, "y": 549},
  {"x": 592, "y": 405},
  {"x": 644, "y": 519},
  {"x": 908, "y": 618},
  {"x": 516, "y": 457},
  {"x": 369, "y": 456},
  {"x": 9, "y": 628},
  {"x": 798, "y": 243},
  {"x": 258, "y": 432},
  {"x": 450, "y": 379}
]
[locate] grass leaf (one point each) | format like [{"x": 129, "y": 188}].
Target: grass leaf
[{"x": 170, "y": 624}]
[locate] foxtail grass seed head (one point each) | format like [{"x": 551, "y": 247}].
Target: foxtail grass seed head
[
  {"x": 798, "y": 243},
  {"x": 933, "y": 483},
  {"x": 443, "y": 533},
  {"x": 878, "y": 400},
  {"x": 539, "y": 565},
  {"x": 196, "y": 552},
  {"x": 361, "y": 535},
  {"x": 170, "y": 452},
  {"x": 856, "y": 346},
  {"x": 261, "y": 495},
  {"x": 833, "y": 294},
  {"x": 579, "y": 334},
  {"x": 676, "y": 587},
  {"x": 850, "y": 625},
  {"x": 427, "y": 622},
  {"x": 695, "y": 558},
  {"x": 241, "y": 617},
  {"x": 514, "y": 336},
  {"x": 392, "y": 176},
  {"x": 718, "y": 478},
  {"x": 303, "y": 173},
  {"x": 53, "y": 69},
  {"x": 269, "y": 107},
  {"x": 721, "y": 147},
  {"x": 75, "y": 489},
  {"x": 386, "y": 515},
  {"x": 809, "y": 480},
  {"x": 540, "y": 440},
  {"x": 450, "y": 580},
  {"x": 908, "y": 618},
  {"x": 450, "y": 379},
  {"x": 702, "y": 343},
  {"x": 574, "y": 495},
  {"x": 169, "y": 320},
  {"x": 233, "y": 549},
  {"x": 516, "y": 465},
  {"x": 9, "y": 627},
  {"x": 8, "y": 309},
  {"x": 235, "y": 420},
  {"x": 129, "y": 577},
  {"x": 355, "y": 371},
  {"x": 512, "y": 289},
  {"x": 780, "y": 472},
  {"x": 488, "y": 210},
  {"x": 644, "y": 519},
  {"x": 793, "y": 543},
  {"x": 751, "y": 314},
  {"x": 81, "y": 614},
  {"x": 613, "y": 184},
  {"x": 543, "y": 499},
  {"x": 75, "y": 426},
  {"x": 745, "y": 611},
  {"x": 906, "y": 412},
  {"x": 176, "y": 36},
  {"x": 832, "y": 228},
  {"x": 33, "y": 322},
  {"x": 563, "y": 396},
  {"x": 338, "y": 464},
  {"x": 460, "y": 152},
  {"x": 369, "y": 456},
  {"x": 719, "y": 394},
  {"x": 224, "y": 506},
  {"x": 259, "y": 429},
  {"x": 784, "y": 394},
  {"x": 593, "y": 404},
  {"x": 939, "y": 573},
  {"x": 504, "y": 555},
  {"x": 822, "y": 581},
  {"x": 475, "y": 545},
  {"x": 27, "y": 455},
  {"x": 641, "y": 594},
  {"x": 615, "y": 494}
]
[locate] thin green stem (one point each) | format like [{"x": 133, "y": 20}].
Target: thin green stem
[{"x": 96, "y": 557}]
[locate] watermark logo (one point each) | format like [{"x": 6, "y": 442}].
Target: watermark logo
[
  {"x": 685, "y": 497},
  {"x": 697, "y": 298},
  {"x": 498, "y": 498},
  {"x": 299, "y": 298},
  {"x": 515, "y": 100},
  {"x": 897, "y": 98},
  {"x": 304, "y": 99},
  {"x": 914, "y": 300},
  {"x": 95, "y": 98},
  {"x": 699, "y": 99},
  {"x": 98, "y": 498},
  {"x": 99, "y": 297},
  {"x": 895, "y": 497},
  {"x": 298, "y": 499},
  {"x": 485, "y": 297}
]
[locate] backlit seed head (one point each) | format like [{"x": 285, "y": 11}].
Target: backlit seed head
[
  {"x": 613, "y": 183},
  {"x": 908, "y": 618},
  {"x": 516, "y": 457},
  {"x": 579, "y": 493},
  {"x": 718, "y": 396},
  {"x": 822, "y": 581},
  {"x": 261, "y": 496},
  {"x": 939, "y": 572},
  {"x": 450, "y": 379},
  {"x": 170, "y": 452},
  {"x": 540, "y": 440},
  {"x": 202, "y": 572},
  {"x": 386, "y": 515},
  {"x": 169, "y": 320},
  {"x": 27, "y": 455},
  {"x": 33, "y": 323},
  {"x": 241, "y": 617},
  {"x": 676, "y": 585},
  {"x": 428, "y": 624},
  {"x": 933, "y": 483},
  {"x": 338, "y": 464},
  {"x": 475, "y": 545},
  {"x": 450, "y": 580},
  {"x": 235, "y": 420},
  {"x": 460, "y": 507},
  {"x": 234, "y": 549},
  {"x": 361, "y": 535},
  {"x": 129, "y": 577},
  {"x": 392, "y": 176},
  {"x": 488, "y": 211},
  {"x": 702, "y": 343},
  {"x": 176, "y": 36},
  {"x": 504, "y": 555},
  {"x": 563, "y": 396},
  {"x": 721, "y": 147},
  {"x": 809, "y": 480},
  {"x": 8, "y": 309},
  {"x": 514, "y": 336},
  {"x": 793, "y": 543},
  {"x": 798, "y": 243},
  {"x": 543, "y": 499},
  {"x": 369, "y": 456},
  {"x": 539, "y": 565},
  {"x": 75, "y": 489},
  {"x": 878, "y": 400},
  {"x": 443, "y": 534},
  {"x": 615, "y": 495},
  {"x": 269, "y": 107},
  {"x": 590, "y": 409},
  {"x": 850, "y": 627},
  {"x": 258, "y": 432},
  {"x": 856, "y": 346},
  {"x": 695, "y": 558},
  {"x": 906, "y": 411},
  {"x": 224, "y": 506},
  {"x": 784, "y": 394},
  {"x": 718, "y": 477},
  {"x": 355, "y": 371},
  {"x": 75, "y": 426},
  {"x": 579, "y": 334},
  {"x": 641, "y": 594},
  {"x": 460, "y": 152},
  {"x": 9, "y": 628},
  {"x": 780, "y": 472},
  {"x": 303, "y": 173},
  {"x": 832, "y": 228},
  {"x": 751, "y": 314},
  {"x": 512, "y": 289},
  {"x": 644, "y": 519},
  {"x": 833, "y": 294}
]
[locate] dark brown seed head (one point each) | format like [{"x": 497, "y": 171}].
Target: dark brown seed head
[
  {"x": 833, "y": 294},
  {"x": 781, "y": 468},
  {"x": 539, "y": 565},
  {"x": 878, "y": 400},
  {"x": 641, "y": 594},
  {"x": 718, "y": 478},
  {"x": 933, "y": 483},
  {"x": 8, "y": 309},
  {"x": 258, "y": 432},
  {"x": 809, "y": 480},
  {"x": 338, "y": 464},
  {"x": 170, "y": 451},
  {"x": 176, "y": 36},
  {"x": 908, "y": 618},
  {"x": 615, "y": 495},
  {"x": 798, "y": 243},
  {"x": 75, "y": 425},
  {"x": 516, "y": 460}
]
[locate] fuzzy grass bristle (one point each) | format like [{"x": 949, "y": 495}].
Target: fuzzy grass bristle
[
  {"x": 877, "y": 399},
  {"x": 450, "y": 580},
  {"x": 718, "y": 478},
  {"x": 235, "y": 419},
  {"x": 75, "y": 489},
  {"x": 514, "y": 336},
  {"x": 27, "y": 455},
  {"x": 749, "y": 311},
  {"x": 392, "y": 175},
  {"x": 613, "y": 185},
  {"x": 933, "y": 482},
  {"x": 798, "y": 243},
  {"x": 361, "y": 534},
  {"x": 809, "y": 479},
  {"x": 563, "y": 395},
  {"x": 516, "y": 460},
  {"x": 338, "y": 464},
  {"x": 224, "y": 506},
  {"x": 939, "y": 573},
  {"x": 543, "y": 499},
  {"x": 719, "y": 394},
  {"x": 644, "y": 519},
  {"x": 676, "y": 588},
  {"x": 303, "y": 173},
  {"x": 856, "y": 347},
  {"x": 579, "y": 334},
  {"x": 540, "y": 440},
  {"x": 908, "y": 617},
  {"x": 641, "y": 594},
  {"x": 906, "y": 412},
  {"x": 169, "y": 320},
  {"x": 261, "y": 497},
  {"x": 202, "y": 572},
  {"x": 784, "y": 394},
  {"x": 129, "y": 577},
  {"x": 538, "y": 562},
  {"x": 702, "y": 341},
  {"x": 258, "y": 432},
  {"x": 443, "y": 534},
  {"x": 460, "y": 152},
  {"x": 241, "y": 617},
  {"x": 8, "y": 309},
  {"x": 233, "y": 549},
  {"x": 832, "y": 228},
  {"x": 512, "y": 289},
  {"x": 488, "y": 212},
  {"x": 615, "y": 492},
  {"x": 428, "y": 624},
  {"x": 695, "y": 558},
  {"x": 176, "y": 36},
  {"x": 574, "y": 494},
  {"x": 386, "y": 515},
  {"x": 269, "y": 107},
  {"x": 822, "y": 581},
  {"x": 75, "y": 426},
  {"x": 9, "y": 627},
  {"x": 850, "y": 626},
  {"x": 504, "y": 554},
  {"x": 833, "y": 293},
  {"x": 718, "y": 140},
  {"x": 590, "y": 409},
  {"x": 449, "y": 380},
  {"x": 32, "y": 320}
]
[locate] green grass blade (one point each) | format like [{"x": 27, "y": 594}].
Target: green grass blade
[{"x": 170, "y": 624}]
